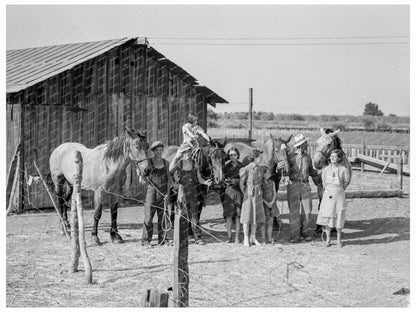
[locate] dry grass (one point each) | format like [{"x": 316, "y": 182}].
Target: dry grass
[{"x": 374, "y": 263}]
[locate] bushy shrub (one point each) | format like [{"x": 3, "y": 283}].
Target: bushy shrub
[
  {"x": 369, "y": 123},
  {"x": 383, "y": 127},
  {"x": 212, "y": 124}
]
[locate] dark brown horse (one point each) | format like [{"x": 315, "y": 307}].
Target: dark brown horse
[{"x": 104, "y": 171}]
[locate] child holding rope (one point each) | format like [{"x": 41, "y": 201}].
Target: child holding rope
[
  {"x": 335, "y": 178},
  {"x": 158, "y": 181}
]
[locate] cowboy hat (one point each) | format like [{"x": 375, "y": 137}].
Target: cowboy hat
[
  {"x": 299, "y": 140},
  {"x": 156, "y": 144}
]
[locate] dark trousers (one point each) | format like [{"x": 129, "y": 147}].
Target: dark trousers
[
  {"x": 300, "y": 208},
  {"x": 194, "y": 215},
  {"x": 153, "y": 206}
]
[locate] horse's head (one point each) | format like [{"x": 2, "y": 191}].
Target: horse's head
[
  {"x": 326, "y": 143},
  {"x": 137, "y": 148},
  {"x": 217, "y": 157},
  {"x": 280, "y": 152}
]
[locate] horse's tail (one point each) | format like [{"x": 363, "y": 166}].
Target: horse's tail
[
  {"x": 49, "y": 183},
  {"x": 67, "y": 188}
]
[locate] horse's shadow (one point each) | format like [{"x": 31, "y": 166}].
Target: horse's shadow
[{"x": 355, "y": 232}]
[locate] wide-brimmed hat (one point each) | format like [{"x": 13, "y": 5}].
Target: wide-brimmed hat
[
  {"x": 156, "y": 144},
  {"x": 299, "y": 140}
]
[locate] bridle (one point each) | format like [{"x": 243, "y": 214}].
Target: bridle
[
  {"x": 143, "y": 145},
  {"x": 197, "y": 156}
]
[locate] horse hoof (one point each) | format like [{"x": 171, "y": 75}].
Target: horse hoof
[
  {"x": 116, "y": 238},
  {"x": 96, "y": 240}
]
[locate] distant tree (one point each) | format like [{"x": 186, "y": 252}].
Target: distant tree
[
  {"x": 371, "y": 109},
  {"x": 392, "y": 115},
  {"x": 267, "y": 116}
]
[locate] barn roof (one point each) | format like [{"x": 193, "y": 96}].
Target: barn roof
[{"x": 26, "y": 67}]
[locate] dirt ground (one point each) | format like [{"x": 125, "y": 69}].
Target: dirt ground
[{"x": 373, "y": 264}]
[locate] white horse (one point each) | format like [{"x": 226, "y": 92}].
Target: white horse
[{"x": 104, "y": 170}]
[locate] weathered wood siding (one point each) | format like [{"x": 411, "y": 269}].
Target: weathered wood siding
[{"x": 92, "y": 103}]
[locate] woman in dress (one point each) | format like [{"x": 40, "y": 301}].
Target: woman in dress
[{"x": 335, "y": 178}]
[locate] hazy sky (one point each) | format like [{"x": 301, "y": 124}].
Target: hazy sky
[{"x": 296, "y": 72}]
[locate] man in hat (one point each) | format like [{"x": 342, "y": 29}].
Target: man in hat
[
  {"x": 299, "y": 191},
  {"x": 158, "y": 181}
]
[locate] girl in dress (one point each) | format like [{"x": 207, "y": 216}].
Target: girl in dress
[
  {"x": 233, "y": 196},
  {"x": 335, "y": 178},
  {"x": 252, "y": 211}
]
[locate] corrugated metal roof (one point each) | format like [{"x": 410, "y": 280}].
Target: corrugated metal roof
[{"x": 26, "y": 67}]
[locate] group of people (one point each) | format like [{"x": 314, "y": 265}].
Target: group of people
[{"x": 250, "y": 194}]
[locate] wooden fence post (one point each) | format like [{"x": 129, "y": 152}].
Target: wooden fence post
[
  {"x": 400, "y": 172},
  {"x": 363, "y": 153},
  {"x": 180, "y": 259},
  {"x": 73, "y": 267},
  {"x": 78, "y": 235},
  {"x": 155, "y": 298}
]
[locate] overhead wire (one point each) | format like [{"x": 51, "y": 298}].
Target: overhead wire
[
  {"x": 280, "y": 44},
  {"x": 279, "y": 38}
]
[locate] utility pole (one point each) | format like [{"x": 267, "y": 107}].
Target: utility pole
[{"x": 250, "y": 114}]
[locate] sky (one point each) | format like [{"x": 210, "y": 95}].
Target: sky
[{"x": 303, "y": 59}]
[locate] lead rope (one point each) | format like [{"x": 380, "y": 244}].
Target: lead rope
[{"x": 166, "y": 222}]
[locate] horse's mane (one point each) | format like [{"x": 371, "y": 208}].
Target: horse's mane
[
  {"x": 337, "y": 140},
  {"x": 115, "y": 148}
]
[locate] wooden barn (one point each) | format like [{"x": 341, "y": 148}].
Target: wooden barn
[{"x": 87, "y": 93}]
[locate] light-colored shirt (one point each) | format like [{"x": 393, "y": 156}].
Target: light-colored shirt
[
  {"x": 191, "y": 133},
  {"x": 339, "y": 171}
]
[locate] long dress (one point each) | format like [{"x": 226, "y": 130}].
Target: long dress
[
  {"x": 252, "y": 211},
  {"x": 333, "y": 205}
]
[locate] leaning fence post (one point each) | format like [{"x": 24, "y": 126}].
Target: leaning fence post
[
  {"x": 73, "y": 267},
  {"x": 180, "y": 257},
  {"x": 53, "y": 201},
  {"x": 82, "y": 246}
]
